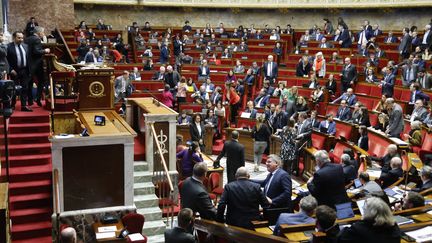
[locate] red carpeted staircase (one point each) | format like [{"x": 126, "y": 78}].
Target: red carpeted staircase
[{"x": 30, "y": 176}]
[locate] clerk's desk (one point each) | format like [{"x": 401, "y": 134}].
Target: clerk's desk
[{"x": 184, "y": 131}]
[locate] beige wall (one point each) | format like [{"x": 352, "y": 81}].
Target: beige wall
[
  {"x": 48, "y": 13},
  {"x": 120, "y": 16}
]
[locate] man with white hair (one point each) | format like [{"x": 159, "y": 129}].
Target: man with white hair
[
  {"x": 388, "y": 177},
  {"x": 396, "y": 123},
  {"x": 348, "y": 75},
  {"x": 327, "y": 184},
  {"x": 68, "y": 235},
  {"x": 427, "y": 38},
  {"x": 392, "y": 151},
  {"x": 242, "y": 199},
  {"x": 160, "y": 75},
  {"x": 270, "y": 69},
  {"x": 349, "y": 170},
  {"x": 419, "y": 112},
  {"x": 349, "y": 96}
]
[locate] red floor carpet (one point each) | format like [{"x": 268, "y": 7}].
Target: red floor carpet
[{"x": 30, "y": 176}]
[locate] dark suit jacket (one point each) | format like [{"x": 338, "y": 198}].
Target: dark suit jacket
[
  {"x": 363, "y": 143},
  {"x": 195, "y": 196},
  {"x": 4, "y": 64},
  {"x": 200, "y": 71},
  {"x": 349, "y": 74},
  {"x": 345, "y": 38},
  {"x": 331, "y": 87},
  {"x": 264, "y": 100},
  {"x": 393, "y": 39},
  {"x": 365, "y": 231},
  {"x": 234, "y": 152},
  {"x": 388, "y": 86},
  {"x": 344, "y": 115},
  {"x": 274, "y": 70},
  {"x": 36, "y": 52},
  {"x": 178, "y": 235},
  {"x": 215, "y": 97},
  {"x": 328, "y": 185},
  {"x": 389, "y": 177},
  {"x": 405, "y": 45},
  {"x": 424, "y": 186},
  {"x": 349, "y": 173},
  {"x": 302, "y": 70},
  {"x": 12, "y": 58},
  {"x": 279, "y": 190},
  {"x": 279, "y": 121},
  {"x": 243, "y": 198},
  {"x": 195, "y": 136}
]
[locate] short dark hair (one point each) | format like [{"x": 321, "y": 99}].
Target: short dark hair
[
  {"x": 416, "y": 199},
  {"x": 17, "y": 32},
  {"x": 195, "y": 116},
  {"x": 200, "y": 169},
  {"x": 234, "y": 135},
  {"x": 184, "y": 217},
  {"x": 364, "y": 176},
  {"x": 325, "y": 216}
]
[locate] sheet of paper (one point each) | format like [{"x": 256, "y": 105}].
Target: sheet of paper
[
  {"x": 135, "y": 237},
  {"x": 374, "y": 173},
  {"x": 105, "y": 235},
  {"x": 421, "y": 235},
  {"x": 107, "y": 229},
  {"x": 245, "y": 115}
]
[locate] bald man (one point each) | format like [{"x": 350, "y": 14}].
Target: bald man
[
  {"x": 68, "y": 235},
  {"x": 390, "y": 176},
  {"x": 242, "y": 199},
  {"x": 348, "y": 75}
]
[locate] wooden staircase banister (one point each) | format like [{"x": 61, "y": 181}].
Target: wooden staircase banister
[{"x": 69, "y": 53}]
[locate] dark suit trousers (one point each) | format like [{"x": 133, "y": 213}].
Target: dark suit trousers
[
  {"x": 23, "y": 79},
  {"x": 345, "y": 86},
  {"x": 39, "y": 75},
  {"x": 234, "y": 111}
]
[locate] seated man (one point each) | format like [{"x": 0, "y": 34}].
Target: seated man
[
  {"x": 411, "y": 200},
  {"x": 426, "y": 178},
  {"x": 268, "y": 88},
  {"x": 159, "y": 75},
  {"x": 419, "y": 112},
  {"x": 307, "y": 210},
  {"x": 250, "y": 109},
  {"x": 368, "y": 185},
  {"x": 242, "y": 198},
  {"x": 390, "y": 176},
  {"x": 326, "y": 222},
  {"x": 184, "y": 118},
  {"x": 262, "y": 99},
  {"x": 344, "y": 112},
  {"x": 203, "y": 71},
  {"x": 180, "y": 233},
  {"x": 277, "y": 185},
  {"x": 348, "y": 96},
  {"x": 385, "y": 160},
  {"x": 195, "y": 196},
  {"x": 328, "y": 126},
  {"x": 350, "y": 173}
]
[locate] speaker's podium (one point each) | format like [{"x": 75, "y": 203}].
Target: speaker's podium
[
  {"x": 92, "y": 154},
  {"x": 96, "y": 88}
]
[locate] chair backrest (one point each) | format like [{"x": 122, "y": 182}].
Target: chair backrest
[
  {"x": 318, "y": 140},
  {"x": 427, "y": 142},
  {"x": 214, "y": 179},
  {"x": 133, "y": 222}
]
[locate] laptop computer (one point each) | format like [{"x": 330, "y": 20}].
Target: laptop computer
[
  {"x": 344, "y": 210},
  {"x": 357, "y": 183}
]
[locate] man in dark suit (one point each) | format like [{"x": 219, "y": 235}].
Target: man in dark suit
[
  {"x": 405, "y": 45},
  {"x": 409, "y": 72},
  {"x": 234, "y": 152},
  {"x": 36, "y": 55},
  {"x": 390, "y": 176},
  {"x": 270, "y": 69},
  {"x": 327, "y": 184},
  {"x": 242, "y": 199},
  {"x": 390, "y": 38},
  {"x": 424, "y": 79},
  {"x": 164, "y": 54},
  {"x": 277, "y": 185},
  {"x": 194, "y": 194},
  {"x": 344, "y": 112},
  {"x": 18, "y": 56},
  {"x": 376, "y": 30},
  {"x": 31, "y": 26},
  {"x": 348, "y": 96},
  {"x": 180, "y": 233},
  {"x": 344, "y": 38},
  {"x": 426, "y": 178},
  {"x": 387, "y": 84},
  {"x": 349, "y": 169},
  {"x": 348, "y": 75},
  {"x": 203, "y": 71},
  {"x": 280, "y": 119},
  {"x": 384, "y": 161},
  {"x": 262, "y": 99},
  {"x": 396, "y": 122},
  {"x": 427, "y": 38},
  {"x": 160, "y": 75}
]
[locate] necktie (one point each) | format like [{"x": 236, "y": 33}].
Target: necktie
[
  {"x": 22, "y": 62},
  {"x": 267, "y": 186},
  {"x": 270, "y": 69}
]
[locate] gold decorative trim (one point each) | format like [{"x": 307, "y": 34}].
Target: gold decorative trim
[{"x": 96, "y": 89}]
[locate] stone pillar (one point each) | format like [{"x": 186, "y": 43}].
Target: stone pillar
[{"x": 172, "y": 145}]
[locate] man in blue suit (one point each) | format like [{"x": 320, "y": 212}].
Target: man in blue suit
[
  {"x": 344, "y": 112},
  {"x": 387, "y": 84},
  {"x": 328, "y": 126},
  {"x": 344, "y": 38},
  {"x": 164, "y": 54},
  {"x": 262, "y": 99},
  {"x": 277, "y": 185},
  {"x": 270, "y": 69},
  {"x": 348, "y": 96},
  {"x": 307, "y": 209}
]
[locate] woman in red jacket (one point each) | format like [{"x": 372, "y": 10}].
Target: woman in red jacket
[{"x": 233, "y": 99}]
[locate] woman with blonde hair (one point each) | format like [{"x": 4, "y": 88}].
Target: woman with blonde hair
[
  {"x": 260, "y": 135},
  {"x": 319, "y": 65},
  {"x": 414, "y": 137},
  {"x": 293, "y": 93},
  {"x": 377, "y": 225}
]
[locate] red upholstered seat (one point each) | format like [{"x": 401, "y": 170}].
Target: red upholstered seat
[
  {"x": 318, "y": 140},
  {"x": 426, "y": 146},
  {"x": 134, "y": 223},
  {"x": 214, "y": 188},
  {"x": 343, "y": 130},
  {"x": 337, "y": 152}
]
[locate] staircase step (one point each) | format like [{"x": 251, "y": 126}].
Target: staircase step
[
  {"x": 142, "y": 176},
  {"x": 144, "y": 201},
  {"x": 156, "y": 227},
  {"x": 30, "y": 186},
  {"x": 26, "y": 170},
  {"x": 20, "y": 216},
  {"x": 23, "y": 117},
  {"x": 44, "y": 239},
  {"x": 26, "y": 160},
  {"x": 144, "y": 188},
  {"x": 29, "y": 197},
  {"x": 150, "y": 214},
  {"x": 30, "y": 230},
  {"x": 29, "y": 128},
  {"x": 141, "y": 166},
  {"x": 21, "y": 138},
  {"x": 29, "y": 149}
]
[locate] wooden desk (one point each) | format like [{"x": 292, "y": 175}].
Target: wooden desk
[
  {"x": 245, "y": 138},
  {"x": 297, "y": 236},
  {"x": 114, "y": 124},
  {"x": 264, "y": 230},
  {"x": 414, "y": 160},
  {"x": 208, "y": 138},
  {"x": 118, "y": 225}
]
